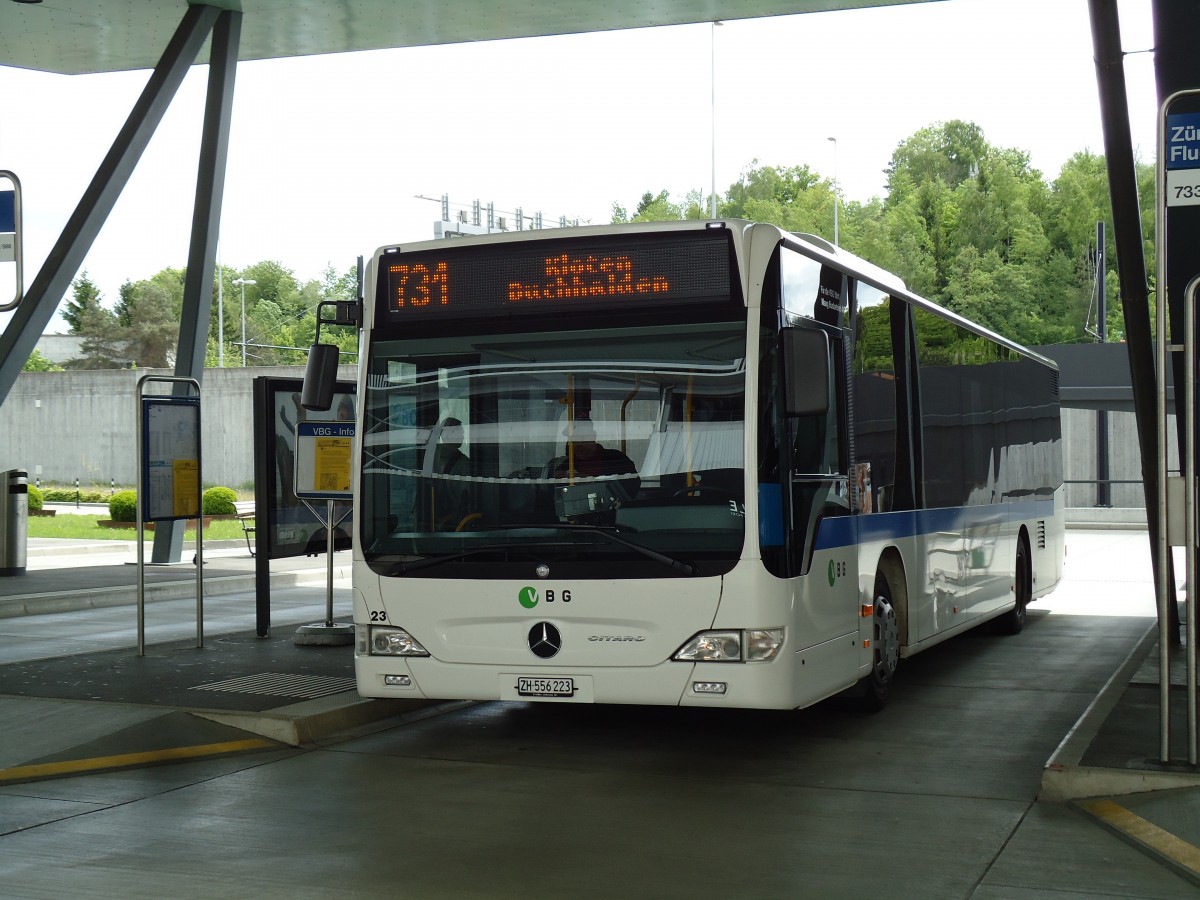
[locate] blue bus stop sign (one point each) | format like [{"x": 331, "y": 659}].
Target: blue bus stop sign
[
  {"x": 1183, "y": 159},
  {"x": 8, "y": 212}
]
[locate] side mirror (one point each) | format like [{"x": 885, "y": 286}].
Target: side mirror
[
  {"x": 320, "y": 377},
  {"x": 805, "y": 368}
]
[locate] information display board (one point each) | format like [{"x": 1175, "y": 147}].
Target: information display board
[
  {"x": 171, "y": 458},
  {"x": 324, "y": 454},
  {"x": 285, "y": 524},
  {"x": 1183, "y": 159},
  {"x": 612, "y": 272},
  {"x": 8, "y": 226}
]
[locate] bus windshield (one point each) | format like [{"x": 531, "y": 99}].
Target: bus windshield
[{"x": 489, "y": 455}]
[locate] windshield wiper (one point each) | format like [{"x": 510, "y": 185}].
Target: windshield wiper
[
  {"x": 405, "y": 568},
  {"x": 612, "y": 534}
]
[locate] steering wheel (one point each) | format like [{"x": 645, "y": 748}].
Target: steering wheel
[{"x": 469, "y": 521}]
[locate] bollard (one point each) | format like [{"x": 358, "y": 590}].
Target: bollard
[{"x": 14, "y": 521}]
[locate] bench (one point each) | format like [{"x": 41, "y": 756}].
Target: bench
[{"x": 244, "y": 511}]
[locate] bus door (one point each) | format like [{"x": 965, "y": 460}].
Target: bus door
[{"x": 819, "y": 539}]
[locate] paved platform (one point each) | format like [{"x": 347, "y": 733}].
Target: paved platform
[
  {"x": 72, "y": 708},
  {"x": 61, "y": 575},
  {"x": 69, "y": 663},
  {"x": 1109, "y": 766}
]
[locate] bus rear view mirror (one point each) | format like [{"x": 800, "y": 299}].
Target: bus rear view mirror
[
  {"x": 806, "y": 371},
  {"x": 320, "y": 377}
]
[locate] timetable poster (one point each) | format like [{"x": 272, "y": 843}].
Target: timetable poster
[
  {"x": 171, "y": 450},
  {"x": 323, "y": 459}
]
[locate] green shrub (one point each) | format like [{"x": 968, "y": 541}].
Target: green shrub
[
  {"x": 219, "y": 501},
  {"x": 70, "y": 495},
  {"x": 35, "y": 497},
  {"x": 122, "y": 506}
]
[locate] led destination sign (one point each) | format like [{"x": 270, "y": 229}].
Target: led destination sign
[{"x": 544, "y": 276}]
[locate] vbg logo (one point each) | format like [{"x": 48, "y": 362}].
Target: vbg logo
[{"x": 528, "y": 597}]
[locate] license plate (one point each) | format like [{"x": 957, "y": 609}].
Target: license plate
[{"x": 545, "y": 687}]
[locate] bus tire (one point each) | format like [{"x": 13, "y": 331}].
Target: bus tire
[
  {"x": 1013, "y": 621},
  {"x": 885, "y": 648}
]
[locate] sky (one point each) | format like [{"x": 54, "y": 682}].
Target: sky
[{"x": 330, "y": 156}]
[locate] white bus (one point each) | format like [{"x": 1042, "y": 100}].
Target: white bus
[{"x": 693, "y": 463}]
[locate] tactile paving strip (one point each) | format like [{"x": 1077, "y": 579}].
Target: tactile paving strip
[{"x": 307, "y": 687}]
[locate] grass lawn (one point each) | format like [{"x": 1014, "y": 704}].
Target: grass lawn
[{"x": 85, "y": 528}]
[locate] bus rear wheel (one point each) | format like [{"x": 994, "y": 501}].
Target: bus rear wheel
[
  {"x": 885, "y": 647},
  {"x": 1013, "y": 621}
]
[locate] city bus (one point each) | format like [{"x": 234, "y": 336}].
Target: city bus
[{"x": 704, "y": 463}]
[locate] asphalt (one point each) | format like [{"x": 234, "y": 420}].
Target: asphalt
[
  {"x": 72, "y": 615},
  {"x": 105, "y": 708}
]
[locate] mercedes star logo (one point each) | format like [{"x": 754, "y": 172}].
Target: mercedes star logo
[{"x": 544, "y": 640}]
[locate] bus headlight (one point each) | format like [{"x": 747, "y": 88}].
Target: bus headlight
[
  {"x": 762, "y": 643},
  {"x": 751, "y": 645},
  {"x": 387, "y": 641}
]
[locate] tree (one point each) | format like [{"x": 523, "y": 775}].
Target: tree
[
  {"x": 794, "y": 198},
  {"x": 148, "y": 317},
  {"x": 651, "y": 208},
  {"x": 949, "y": 152},
  {"x": 87, "y": 317},
  {"x": 85, "y": 298},
  {"x": 334, "y": 286},
  {"x": 39, "y": 363},
  {"x": 102, "y": 345},
  {"x": 1079, "y": 199},
  {"x": 964, "y": 223},
  {"x": 278, "y": 305}
]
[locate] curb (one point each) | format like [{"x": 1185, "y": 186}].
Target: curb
[
  {"x": 62, "y": 547},
  {"x": 314, "y": 720},
  {"x": 1064, "y": 779},
  {"x": 126, "y": 595}
]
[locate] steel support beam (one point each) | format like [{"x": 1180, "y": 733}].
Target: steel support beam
[
  {"x": 1176, "y": 69},
  {"x": 62, "y": 264},
  {"x": 1103, "y": 488},
  {"x": 206, "y": 226},
  {"x": 1131, "y": 263}
]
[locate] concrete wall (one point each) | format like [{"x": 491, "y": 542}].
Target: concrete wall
[
  {"x": 1124, "y": 462},
  {"x": 60, "y": 426}
]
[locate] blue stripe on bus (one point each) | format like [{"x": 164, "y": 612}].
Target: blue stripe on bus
[
  {"x": 770, "y": 515},
  {"x": 845, "y": 531}
]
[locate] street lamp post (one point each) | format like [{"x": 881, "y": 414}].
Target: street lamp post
[
  {"x": 220, "y": 315},
  {"x": 243, "y": 282},
  {"x": 833, "y": 140},
  {"x": 712, "y": 83}
]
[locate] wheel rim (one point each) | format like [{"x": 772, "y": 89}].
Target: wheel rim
[{"x": 887, "y": 639}]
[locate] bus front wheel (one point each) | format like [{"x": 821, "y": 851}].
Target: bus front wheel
[{"x": 885, "y": 647}]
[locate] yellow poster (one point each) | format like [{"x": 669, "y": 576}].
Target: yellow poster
[
  {"x": 333, "y": 464},
  {"x": 185, "y": 488}
]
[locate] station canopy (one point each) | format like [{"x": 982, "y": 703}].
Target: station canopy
[{"x": 76, "y": 37}]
